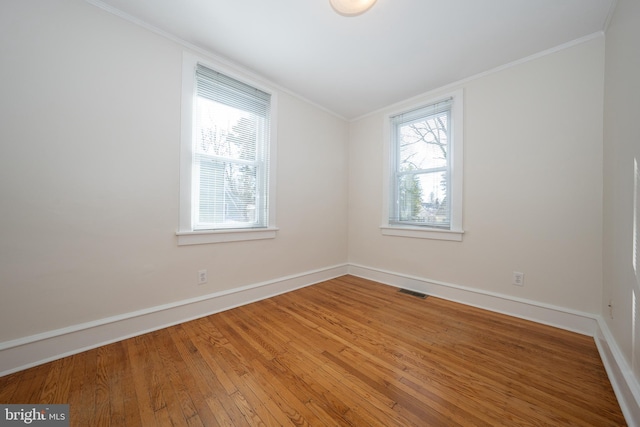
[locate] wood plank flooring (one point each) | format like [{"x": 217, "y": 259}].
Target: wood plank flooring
[{"x": 346, "y": 352}]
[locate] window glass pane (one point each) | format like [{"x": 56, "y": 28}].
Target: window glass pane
[
  {"x": 409, "y": 198},
  {"x": 423, "y": 143},
  {"x": 435, "y": 209},
  {"x": 227, "y": 192},
  {"x": 224, "y": 131},
  {"x": 422, "y": 199}
]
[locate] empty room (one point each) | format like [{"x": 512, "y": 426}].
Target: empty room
[{"x": 320, "y": 212}]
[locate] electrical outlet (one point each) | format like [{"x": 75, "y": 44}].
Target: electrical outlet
[
  {"x": 518, "y": 278},
  {"x": 202, "y": 277}
]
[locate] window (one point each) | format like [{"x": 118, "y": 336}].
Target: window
[
  {"x": 424, "y": 197},
  {"x": 226, "y": 174}
]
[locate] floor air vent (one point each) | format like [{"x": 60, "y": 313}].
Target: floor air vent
[{"x": 413, "y": 293}]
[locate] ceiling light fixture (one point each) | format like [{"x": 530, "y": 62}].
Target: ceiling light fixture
[{"x": 351, "y": 7}]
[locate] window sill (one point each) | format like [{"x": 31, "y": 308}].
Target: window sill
[
  {"x": 423, "y": 233},
  {"x": 220, "y": 236}
]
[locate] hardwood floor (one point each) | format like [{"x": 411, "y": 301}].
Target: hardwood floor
[{"x": 343, "y": 352}]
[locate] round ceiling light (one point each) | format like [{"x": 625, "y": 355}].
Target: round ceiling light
[{"x": 351, "y": 7}]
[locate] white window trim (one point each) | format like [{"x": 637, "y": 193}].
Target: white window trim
[
  {"x": 219, "y": 236},
  {"x": 424, "y": 232},
  {"x": 186, "y": 235}
]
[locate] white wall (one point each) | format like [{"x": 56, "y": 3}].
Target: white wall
[
  {"x": 621, "y": 148},
  {"x": 89, "y": 176},
  {"x": 532, "y": 186}
]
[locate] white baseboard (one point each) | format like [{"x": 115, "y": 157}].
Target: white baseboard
[
  {"x": 624, "y": 383},
  {"x": 34, "y": 350},
  {"x": 622, "y": 380},
  {"x": 560, "y": 317}
]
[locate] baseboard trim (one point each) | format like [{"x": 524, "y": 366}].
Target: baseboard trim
[
  {"x": 560, "y": 317},
  {"x": 620, "y": 375},
  {"x": 624, "y": 383},
  {"x": 23, "y": 353}
]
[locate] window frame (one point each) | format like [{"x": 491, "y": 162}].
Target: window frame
[
  {"x": 455, "y": 172},
  {"x": 187, "y": 234}
]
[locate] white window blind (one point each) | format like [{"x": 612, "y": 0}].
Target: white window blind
[
  {"x": 230, "y": 170},
  {"x": 421, "y": 166}
]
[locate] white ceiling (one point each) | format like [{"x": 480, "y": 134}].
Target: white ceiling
[{"x": 356, "y": 65}]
